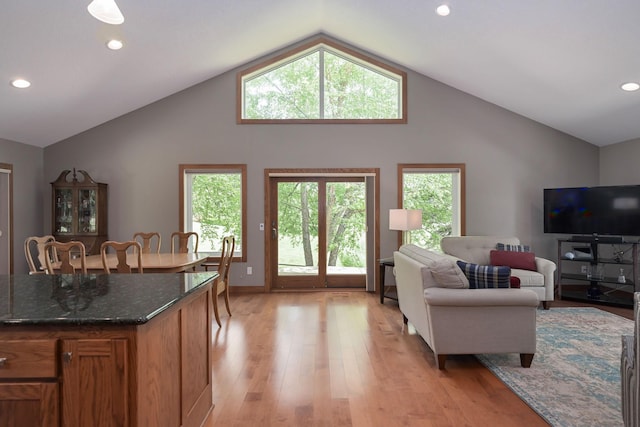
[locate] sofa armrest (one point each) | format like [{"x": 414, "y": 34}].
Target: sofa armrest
[
  {"x": 547, "y": 269},
  {"x": 480, "y": 297}
]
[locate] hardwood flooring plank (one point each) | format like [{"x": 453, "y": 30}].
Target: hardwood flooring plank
[{"x": 342, "y": 359}]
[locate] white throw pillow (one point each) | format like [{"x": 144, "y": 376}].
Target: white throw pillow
[{"x": 447, "y": 274}]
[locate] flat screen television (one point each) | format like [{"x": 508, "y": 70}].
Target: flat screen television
[{"x": 608, "y": 211}]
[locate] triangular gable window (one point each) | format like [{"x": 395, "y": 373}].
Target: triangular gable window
[{"x": 322, "y": 82}]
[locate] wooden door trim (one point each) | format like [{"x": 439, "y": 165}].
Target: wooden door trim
[
  {"x": 315, "y": 172},
  {"x": 9, "y": 167}
]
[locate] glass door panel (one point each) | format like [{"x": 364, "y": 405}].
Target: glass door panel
[
  {"x": 63, "y": 211},
  {"x": 318, "y": 237},
  {"x": 87, "y": 211},
  {"x": 346, "y": 228},
  {"x": 297, "y": 228}
]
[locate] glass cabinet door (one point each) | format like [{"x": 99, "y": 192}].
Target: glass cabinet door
[
  {"x": 87, "y": 211},
  {"x": 63, "y": 211}
]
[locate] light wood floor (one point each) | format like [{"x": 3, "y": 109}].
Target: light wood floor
[{"x": 343, "y": 359}]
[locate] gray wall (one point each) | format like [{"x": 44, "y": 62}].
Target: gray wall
[
  {"x": 509, "y": 159},
  {"x": 28, "y": 195},
  {"x": 619, "y": 163}
]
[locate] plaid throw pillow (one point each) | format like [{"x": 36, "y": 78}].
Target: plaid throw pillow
[
  {"x": 513, "y": 248},
  {"x": 485, "y": 276}
]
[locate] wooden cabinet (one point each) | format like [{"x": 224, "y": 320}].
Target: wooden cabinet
[
  {"x": 156, "y": 373},
  {"x": 95, "y": 382},
  {"x": 29, "y": 404},
  {"x": 79, "y": 210},
  {"x": 28, "y": 383}
]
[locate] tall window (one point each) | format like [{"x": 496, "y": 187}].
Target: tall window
[
  {"x": 439, "y": 190},
  {"x": 213, "y": 203},
  {"x": 322, "y": 82}
]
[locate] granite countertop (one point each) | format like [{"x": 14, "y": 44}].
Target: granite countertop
[{"x": 94, "y": 299}]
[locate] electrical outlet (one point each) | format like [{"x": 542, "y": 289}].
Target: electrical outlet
[
  {"x": 583, "y": 269},
  {"x": 249, "y": 271}
]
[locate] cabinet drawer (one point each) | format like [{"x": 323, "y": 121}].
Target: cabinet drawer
[{"x": 28, "y": 359}]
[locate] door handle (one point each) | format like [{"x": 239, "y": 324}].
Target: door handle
[{"x": 274, "y": 233}]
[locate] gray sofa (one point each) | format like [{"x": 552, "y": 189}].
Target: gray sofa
[
  {"x": 458, "y": 320},
  {"x": 629, "y": 375},
  {"x": 477, "y": 249}
]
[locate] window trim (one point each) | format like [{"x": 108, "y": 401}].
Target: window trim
[
  {"x": 292, "y": 54},
  {"x": 212, "y": 168},
  {"x": 435, "y": 167}
]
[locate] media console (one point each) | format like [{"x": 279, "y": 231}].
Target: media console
[
  {"x": 598, "y": 239},
  {"x": 603, "y": 271}
]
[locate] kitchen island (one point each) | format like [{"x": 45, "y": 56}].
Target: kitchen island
[{"x": 106, "y": 350}]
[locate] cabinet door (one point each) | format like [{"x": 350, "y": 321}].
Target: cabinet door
[
  {"x": 29, "y": 404},
  {"x": 87, "y": 211},
  {"x": 95, "y": 383},
  {"x": 197, "y": 391},
  {"x": 63, "y": 211}
]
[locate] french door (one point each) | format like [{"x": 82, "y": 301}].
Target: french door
[{"x": 318, "y": 232}]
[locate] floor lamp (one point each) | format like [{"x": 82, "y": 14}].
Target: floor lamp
[{"x": 405, "y": 220}]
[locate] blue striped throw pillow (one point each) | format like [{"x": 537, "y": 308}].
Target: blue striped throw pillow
[
  {"x": 486, "y": 276},
  {"x": 513, "y": 248}
]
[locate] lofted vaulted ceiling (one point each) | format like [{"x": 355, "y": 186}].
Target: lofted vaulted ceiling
[{"x": 560, "y": 63}]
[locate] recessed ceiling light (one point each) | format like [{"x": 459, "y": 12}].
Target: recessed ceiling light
[
  {"x": 443, "y": 10},
  {"x": 114, "y": 44},
  {"x": 20, "y": 83},
  {"x": 630, "y": 87}
]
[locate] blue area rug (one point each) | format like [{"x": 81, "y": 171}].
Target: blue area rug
[{"x": 574, "y": 379}]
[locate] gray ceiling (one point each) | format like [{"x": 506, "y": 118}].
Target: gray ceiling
[{"x": 557, "y": 62}]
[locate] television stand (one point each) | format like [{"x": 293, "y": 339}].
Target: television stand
[
  {"x": 598, "y": 239},
  {"x": 605, "y": 272}
]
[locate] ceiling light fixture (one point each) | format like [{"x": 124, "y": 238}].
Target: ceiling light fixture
[
  {"x": 443, "y": 10},
  {"x": 106, "y": 11},
  {"x": 630, "y": 87},
  {"x": 114, "y": 44},
  {"x": 20, "y": 83}
]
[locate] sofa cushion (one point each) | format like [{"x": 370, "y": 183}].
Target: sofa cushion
[
  {"x": 447, "y": 274},
  {"x": 486, "y": 276},
  {"x": 474, "y": 249},
  {"x": 511, "y": 247},
  {"x": 528, "y": 278},
  {"x": 514, "y": 259}
]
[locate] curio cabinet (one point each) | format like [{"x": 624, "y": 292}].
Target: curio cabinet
[{"x": 79, "y": 210}]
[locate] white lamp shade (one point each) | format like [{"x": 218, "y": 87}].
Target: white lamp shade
[
  {"x": 405, "y": 219},
  {"x": 106, "y": 11}
]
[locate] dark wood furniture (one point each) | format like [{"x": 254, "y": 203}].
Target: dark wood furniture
[
  {"x": 79, "y": 210},
  {"x": 384, "y": 263},
  {"x": 98, "y": 350}
]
